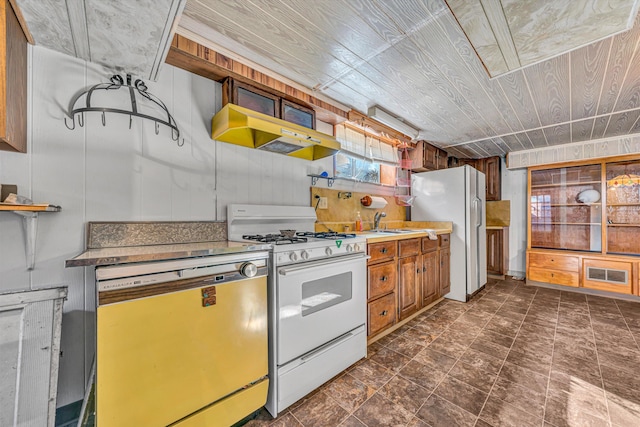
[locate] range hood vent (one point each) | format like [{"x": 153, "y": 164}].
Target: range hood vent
[{"x": 242, "y": 126}]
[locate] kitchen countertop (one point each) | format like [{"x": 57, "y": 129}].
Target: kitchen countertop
[
  {"x": 496, "y": 227},
  {"x": 124, "y": 255},
  {"x": 373, "y": 237}
]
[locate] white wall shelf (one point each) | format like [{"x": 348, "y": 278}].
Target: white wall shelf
[{"x": 29, "y": 214}]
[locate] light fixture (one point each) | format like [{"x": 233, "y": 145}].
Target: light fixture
[
  {"x": 625, "y": 180},
  {"x": 387, "y": 119}
]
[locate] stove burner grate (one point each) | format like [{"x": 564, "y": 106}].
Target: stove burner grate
[
  {"x": 332, "y": 235},
  {"x": 278, "y": 239}
]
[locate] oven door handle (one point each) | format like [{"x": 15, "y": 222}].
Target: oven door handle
[{"x": 330, "y": 261}]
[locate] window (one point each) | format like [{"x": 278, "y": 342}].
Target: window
[{"x": 364, "y": 158}]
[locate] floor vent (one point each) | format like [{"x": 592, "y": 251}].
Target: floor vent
[{"x": 608, "y": 275}]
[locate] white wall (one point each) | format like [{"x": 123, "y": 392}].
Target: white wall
[
  {"x": 112, "y": 173},
  {"x": 514, "y": 188}
]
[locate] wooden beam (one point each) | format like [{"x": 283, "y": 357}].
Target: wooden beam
[{"x": 201, "y": 60}]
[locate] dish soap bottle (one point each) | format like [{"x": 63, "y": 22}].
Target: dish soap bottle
[{"x": 358, "y": 221}]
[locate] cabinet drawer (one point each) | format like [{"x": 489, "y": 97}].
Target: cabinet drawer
[
  {"x": 381, "y": 251},
  {"x": 444, "y": 240},
  {"x": 381, "y": 314},
  {"x": 429, "y": 245},
  {"x": 381, "y": 279},
  {"x": 555, "y": 262},
  {"x": 408, "y": 247},
  {"x": 554, "y": 276}
]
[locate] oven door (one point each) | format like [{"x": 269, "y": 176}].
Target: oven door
[{"x": 319, "y": 301}]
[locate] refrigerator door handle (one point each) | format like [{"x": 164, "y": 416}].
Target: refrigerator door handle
[{"x": 479, "y": 210}]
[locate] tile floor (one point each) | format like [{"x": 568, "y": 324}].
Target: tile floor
[{"x": 514, "y": 356}]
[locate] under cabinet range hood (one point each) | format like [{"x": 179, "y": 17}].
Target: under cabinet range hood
[{"x": 242, "y": 126}]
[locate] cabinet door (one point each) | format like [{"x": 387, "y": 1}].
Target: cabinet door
[
  {"x": 409, "y": 273},
  {"x": 13, "y": 82},
  {"x": 430, "y": 157},
  {"x": 441, "y": 159},
  {"x": 494, "y": 252},
  {"x": 430, "y": 278},
  {"x": 445, "y": 275},
  {"x": 492, "y": 172}
]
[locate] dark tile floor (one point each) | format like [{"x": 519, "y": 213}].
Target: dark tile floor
[{"x": 514, "y": 356}]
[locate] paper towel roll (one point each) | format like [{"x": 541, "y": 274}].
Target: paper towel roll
[{"x": 377, "y": 203}]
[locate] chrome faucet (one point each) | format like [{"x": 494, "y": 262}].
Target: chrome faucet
[{"x": 376, "y": 219}]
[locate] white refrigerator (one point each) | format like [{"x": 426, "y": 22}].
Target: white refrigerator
[{"x": 458, "y": 195}]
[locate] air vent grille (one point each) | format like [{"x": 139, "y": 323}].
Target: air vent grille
[{"x": 608, "y": 275}]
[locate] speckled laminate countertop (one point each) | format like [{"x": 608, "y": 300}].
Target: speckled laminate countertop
[{"x": 124, "y": 255}]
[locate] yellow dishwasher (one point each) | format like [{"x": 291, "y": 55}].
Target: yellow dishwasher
[{"x": 182, "y": 342}]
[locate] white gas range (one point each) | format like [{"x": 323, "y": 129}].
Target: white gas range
[{"x": 317, "y": 297}]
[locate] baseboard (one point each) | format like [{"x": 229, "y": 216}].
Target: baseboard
[{"x": 586, "y": 291}]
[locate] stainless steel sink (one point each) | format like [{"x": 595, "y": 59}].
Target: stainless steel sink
[{"x": 394, "y": 231}]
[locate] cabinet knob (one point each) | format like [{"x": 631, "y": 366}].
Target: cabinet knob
[
  {"x": 552, "y": 260},
  {"x": 383, "y": 250},
  {"x": 384, "y": 313},
  {"x": 552, "y": 275},
  {"x": 418, "y": 270},
  {"x": 424, "y": 269},
  {"x": 383, "y": 278}
]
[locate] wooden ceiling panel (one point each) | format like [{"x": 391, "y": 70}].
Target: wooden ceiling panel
[
  {"x": 491, "y": 87},
  {"x": 433, "y": 42},
  {"x": 623, "y": 47},
  {"x": 558, "y": 134},
  {"x": 621, "y": 123},
  {"x": 581, "y": 130},
  {"x": 410, "y": 58},
  {"x": 269, "y": 39}
]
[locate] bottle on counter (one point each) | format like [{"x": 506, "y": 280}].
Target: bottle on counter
[{"x": 358, "y": 221}]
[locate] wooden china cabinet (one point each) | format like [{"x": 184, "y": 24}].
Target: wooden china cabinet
[{"x": 584, "y": 225}]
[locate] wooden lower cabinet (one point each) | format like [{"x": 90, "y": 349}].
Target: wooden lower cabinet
[
  {"x": 381, "y": 314},
  {"x": 606, "y": 273},
  {"x": 409, "y": 275},
  {"x": 497, "y": 251},
  {"x": 445, "y": 271},
  {"x": 430, "y": 278},
  {"x": 404, "y": 276}
]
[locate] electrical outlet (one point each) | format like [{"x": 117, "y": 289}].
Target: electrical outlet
[{"x": 324, "y": 204}]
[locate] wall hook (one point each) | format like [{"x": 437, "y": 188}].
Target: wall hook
[
  {"x": 130, "y": 121},
  {"x": 73, "y": 120},
  {"x": 104, "y": 119},
  {"x": 81, "y": 120},
  {"x": 157, "y": 128}
]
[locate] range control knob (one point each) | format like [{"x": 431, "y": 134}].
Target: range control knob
[
  {"x": 293, "y": 256},
  {"x": 349, "y": 248},
  {"x": 304, "y": 255},
  {"x": 356, "y": 247},
  {"x": 328, "y": 251},
  {"x": 248, "y": 269}
]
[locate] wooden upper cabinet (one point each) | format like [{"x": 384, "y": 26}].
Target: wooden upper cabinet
[
  {"x": 425, "y": 157},
  {"x": 493, "y": 182},
  {"x": 13, "y": 81},
  {"x": 490, "y": 167}
]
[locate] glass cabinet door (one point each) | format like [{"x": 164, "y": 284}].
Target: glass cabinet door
[
  {"x": 623, "y": 207},
  {"x": 566, "y": 210}
]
